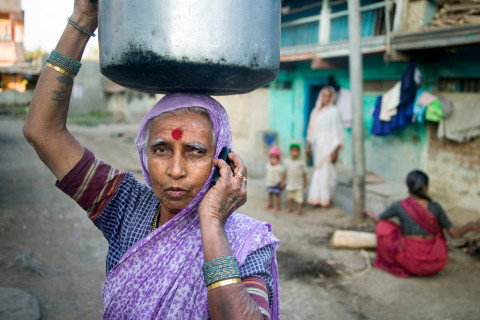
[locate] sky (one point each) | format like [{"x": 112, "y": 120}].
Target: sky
[{"x": 44, "y": 22}]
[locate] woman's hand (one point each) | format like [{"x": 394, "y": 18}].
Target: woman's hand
[
  {"x": 370, "y": 215},
  {"x": 334, "y": 157},
  {"x": 228, "y": 194},
  {"x": 87, "y": 7},
  {"x": 457, "y": 232},
  {"x": 474, "y": 226},
  {"x": 86, "y": 10}
]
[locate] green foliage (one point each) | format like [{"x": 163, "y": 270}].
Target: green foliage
[
  {"x": 37, "y": 53},
  {"x": 91, "y": 119}
]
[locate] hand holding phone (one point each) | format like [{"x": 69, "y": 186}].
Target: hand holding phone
[{"x": 224, "y": 156}]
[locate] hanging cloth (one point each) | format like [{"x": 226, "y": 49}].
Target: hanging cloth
[{"x": 434, "y": 112}]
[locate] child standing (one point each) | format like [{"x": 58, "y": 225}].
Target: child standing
[
  {"x": 296, "y": 176},
  {"x": 275, "y": 171}
]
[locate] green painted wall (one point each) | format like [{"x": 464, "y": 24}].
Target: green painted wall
[
  {"x": 287, "y": 107},
  {"x": 390, "y": 157}
]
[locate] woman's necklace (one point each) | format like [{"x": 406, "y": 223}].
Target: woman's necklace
[{"x": 155, "y": 219}]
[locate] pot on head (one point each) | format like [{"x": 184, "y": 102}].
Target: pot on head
[{"x": 217, "y": 47}]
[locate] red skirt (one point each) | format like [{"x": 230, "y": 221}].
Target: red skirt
[{"x": 403, "y": 256}]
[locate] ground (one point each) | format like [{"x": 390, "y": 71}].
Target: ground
[{"x": 50, "y": 249}]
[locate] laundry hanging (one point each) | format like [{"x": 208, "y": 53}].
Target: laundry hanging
[{"x": 400, "y": 116}]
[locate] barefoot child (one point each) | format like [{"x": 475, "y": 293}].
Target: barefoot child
[
  {"x": 275, "y": 171},
  {"x": 296, "y": 176}
]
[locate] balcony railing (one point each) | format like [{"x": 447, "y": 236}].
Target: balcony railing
[{"x": 307, "y": 31}]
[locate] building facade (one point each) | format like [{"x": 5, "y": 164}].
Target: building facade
[{"x": 442, "y": 38}]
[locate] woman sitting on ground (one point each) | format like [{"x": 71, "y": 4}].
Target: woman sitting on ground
[{"x": 418, "y": 246}]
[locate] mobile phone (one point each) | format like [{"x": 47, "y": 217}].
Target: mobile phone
[{"x": 224, "y": 156}]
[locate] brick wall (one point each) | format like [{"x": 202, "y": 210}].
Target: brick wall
[{"x": 454, "y": 170}]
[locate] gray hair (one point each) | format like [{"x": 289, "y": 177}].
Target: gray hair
[{"x": 178, "y": 112}]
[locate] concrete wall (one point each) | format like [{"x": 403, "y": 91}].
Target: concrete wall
[
  {"x": 249, "y": 117},
  {"x": 10, "y": 5},
  {"x": 14, "y": 102},
  {"x": 87, "y": 93},
  {"x": 130, "y": 106},
  {"x": 454, "y": 171},
  {"x": 454, "y": 168}
]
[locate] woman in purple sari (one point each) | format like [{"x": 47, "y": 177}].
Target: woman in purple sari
[{"x": 177, "y": 248}]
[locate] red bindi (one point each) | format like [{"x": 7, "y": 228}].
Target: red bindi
[{"x": 177, "y": 133}]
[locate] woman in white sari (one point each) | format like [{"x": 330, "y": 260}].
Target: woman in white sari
[{"x": 324, "y": 140}]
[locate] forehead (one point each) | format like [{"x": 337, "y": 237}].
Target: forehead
[{"x": 188, "y": 124}]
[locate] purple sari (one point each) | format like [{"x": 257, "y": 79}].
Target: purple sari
[{"x": 160, "y": 277}]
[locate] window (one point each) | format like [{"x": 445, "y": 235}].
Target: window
[
  {"x": 378, "y": 85},
  {"x": 459, "y": 85}
]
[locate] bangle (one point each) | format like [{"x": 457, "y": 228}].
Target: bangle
[
  {"x": 82, "y": 28},
  {"x": 60, "y": 70},
  {"x": 220, "y": 269},
  {"x": 64, "y": 62},
  {"x": 222, "y": 283}
]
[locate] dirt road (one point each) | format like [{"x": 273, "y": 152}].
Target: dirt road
[{"x": 49, "y": 248}]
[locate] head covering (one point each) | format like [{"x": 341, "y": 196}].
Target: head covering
[
  {"x": 332, "y": 99},
  {"x": 312, "y": 122},
  {"x": 274, "y": 151},
  {"x": 173, "y": 101}
]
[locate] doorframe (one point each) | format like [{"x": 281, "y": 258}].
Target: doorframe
[{"x": 307, "y": 109}]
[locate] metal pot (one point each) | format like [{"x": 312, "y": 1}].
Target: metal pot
[{"x": 217, "y": 46}]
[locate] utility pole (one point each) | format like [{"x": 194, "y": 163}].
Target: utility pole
[{"x": 356, "y": 85}]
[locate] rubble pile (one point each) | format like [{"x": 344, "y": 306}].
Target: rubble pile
[{"x": 456, "y": 13}]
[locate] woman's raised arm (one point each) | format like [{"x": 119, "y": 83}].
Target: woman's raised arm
[{"x": 45, "y": 128}]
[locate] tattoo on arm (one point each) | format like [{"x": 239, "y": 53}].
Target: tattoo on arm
[
  {"x": 225, "y": 207},
  {"x": 59, "y": 96},
  {"x": 65, "y": 80}
]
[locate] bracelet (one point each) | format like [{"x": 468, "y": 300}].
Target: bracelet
[
  {"x": 82, "y": 28},
  {"x": 64, "y": 62},
  {"x": 219, "y": 269},
  {"x": 222, "y": 283},
  {"x": 60, "y": 70}
]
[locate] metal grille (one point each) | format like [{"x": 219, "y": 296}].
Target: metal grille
[{"x": 459, "y": 85}]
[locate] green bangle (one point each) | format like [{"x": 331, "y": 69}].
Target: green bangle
[
  {"x": 64, "y": 62},
  {"x": 82, "y": 28},
  {"x": 220, "y": 269}
]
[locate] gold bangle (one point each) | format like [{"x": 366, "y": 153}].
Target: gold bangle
[
  {"x": 222, "y": 283},
  {"x": 60, "y": 70}
]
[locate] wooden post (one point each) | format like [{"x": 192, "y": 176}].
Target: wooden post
[
  {"x": 400, "y": 14},
  {"x": 356, "y": 85},
  {"x": 388, "y": 42}
]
